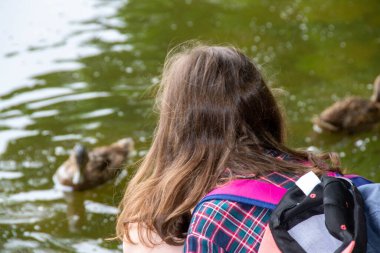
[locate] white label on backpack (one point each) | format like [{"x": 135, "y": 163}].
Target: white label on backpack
[{"x": 307, "y": 182}]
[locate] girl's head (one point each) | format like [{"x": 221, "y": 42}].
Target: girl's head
[
  {"x": 216, "y": 115},
  {"x": 213, "y": 95}
]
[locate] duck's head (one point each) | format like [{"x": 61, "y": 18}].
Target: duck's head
[
  {"x": 127, "y": 144},
  {"x": 81, "y": 159},
  {"x": 376, "y": 90}
]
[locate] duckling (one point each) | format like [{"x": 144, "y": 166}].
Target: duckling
[
  {"x": 352, "y": 114},
  {"x": 84, "y": 170}
]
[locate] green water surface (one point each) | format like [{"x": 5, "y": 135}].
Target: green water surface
[{"x": 317, "y": 51}]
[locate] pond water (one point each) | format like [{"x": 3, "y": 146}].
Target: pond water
[{"x": 78, "y": 71}]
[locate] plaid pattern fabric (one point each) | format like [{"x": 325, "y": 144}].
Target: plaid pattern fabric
[{"x": 226, "y": 226}]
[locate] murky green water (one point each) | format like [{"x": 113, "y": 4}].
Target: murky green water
[{"x": 78, "y": 71}]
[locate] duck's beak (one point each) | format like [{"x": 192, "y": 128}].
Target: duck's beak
[
  {"x": 81, "y": 159},
  {"x": 81, "y": 155}
]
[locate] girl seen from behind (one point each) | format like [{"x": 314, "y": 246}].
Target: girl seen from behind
[{"x": 218, "y": 121}]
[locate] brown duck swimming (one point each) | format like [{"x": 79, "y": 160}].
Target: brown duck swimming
[
  {"x": 352, "y": 114},
  {"x": 84, "y": 170}
]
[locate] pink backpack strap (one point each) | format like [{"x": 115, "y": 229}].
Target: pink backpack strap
[
  {"x": 262, "y": 194},
  {"x": 248, "y": 191}
]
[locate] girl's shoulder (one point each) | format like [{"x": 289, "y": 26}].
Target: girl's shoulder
[
  {"x": 227, "y": 225},
  {"x": 280, "y": 179}
]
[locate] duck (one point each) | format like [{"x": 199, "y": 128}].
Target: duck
[
  {"x": 352, "y": 114},
  {"x": 84, "y": 169}
]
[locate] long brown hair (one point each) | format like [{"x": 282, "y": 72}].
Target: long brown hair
[{"x": 215, "y": 112}]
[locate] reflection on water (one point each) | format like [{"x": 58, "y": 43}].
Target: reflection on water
[
  {"x": 38, "y": 195},
  {"x": 40, "y": 33},
  {"x": 9, "y": 135},
  {"x": 68, "y": 98},
  {"x": 34, "y": 240},
  {"x": 93, "y": 207},
  {"x": 10, "y": 175},
  {"x": 78, "y": 71},
  {"x": 50, "y": 39}
]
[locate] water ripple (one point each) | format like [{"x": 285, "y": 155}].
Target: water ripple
[
  {"x": 10, "y": 174},
  {"x": 34, "y": 95},
  {"x": 44, "y": 114},
  {"x": 98, "y": 113},
  {"x": 75, "y": 97},
  {"x": 17, "y": 122},
  {"x": 94, "y": 207},
  {"x": 8, "y": 135},
  {"x": 38, "y": 195}
]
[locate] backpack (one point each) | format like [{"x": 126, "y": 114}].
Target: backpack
[
  {"x": 371, "y": 196},
  {"x": 314, "y": 216}
]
